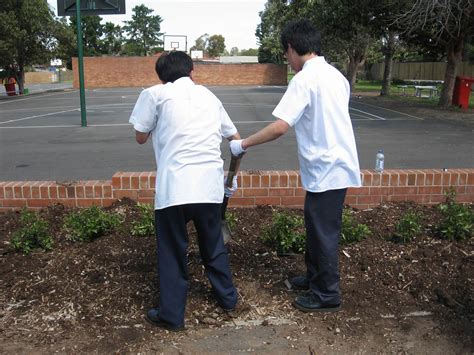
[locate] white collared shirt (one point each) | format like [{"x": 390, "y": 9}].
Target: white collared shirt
[
  {"x": 187, "y": 123},
  {"x": 316, "y": 103}
]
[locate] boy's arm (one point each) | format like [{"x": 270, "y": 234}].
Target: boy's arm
[{"x": 141, "y": 137}]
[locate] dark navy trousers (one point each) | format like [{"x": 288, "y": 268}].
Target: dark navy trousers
[
  {"x": 323, "y": 221},
  {"x": 172, "y": 243}
]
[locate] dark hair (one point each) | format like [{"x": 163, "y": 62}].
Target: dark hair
[
  {"x": 172, "y": 66},
  {"x": 303, "y": 37}
]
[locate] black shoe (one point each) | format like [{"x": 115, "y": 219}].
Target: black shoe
[
  {"x": 299, "y": 283},
  {"x": 153, "y": 317},
  {"x": 309, "y": 303}
]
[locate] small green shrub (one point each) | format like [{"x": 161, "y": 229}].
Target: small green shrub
[
  {"x": 457, "y": 220},
  {"x": 89, "y": 223},
  {"x": 231, "y": 219},
  {"x": 352, "y": 232},
  {"x": 408, "y": 227},
  {"x": 33, "y": 233},
  {"x": 286, "y": 233},
  {"x": 145, "y": 225}
]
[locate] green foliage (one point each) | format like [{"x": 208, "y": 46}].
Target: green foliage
[
  {"x": 215, "y": 45},
  {"x": 352, "y": 232},
  {"x": 25, "y": 34},
  {"x": 231, "y": 219},
  {"x": 89, "y": 223},
  {"x": 457, "y": 220},
  {"x": 408, "y": 227},
  {"x": 33, "y": 233},
  {"x": 286, "y": 232},
  {"x": 143, "y": 30},
  {"x": 268, "y": 32},
  {"x": 145, "y": 225}
]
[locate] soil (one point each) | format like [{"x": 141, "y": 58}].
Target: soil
[{"x": 414, "y": 297}]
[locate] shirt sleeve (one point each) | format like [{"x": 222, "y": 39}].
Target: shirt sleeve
[
  {"x": 144, "y": 116},
  {"x": 227, "y": 126},
  {"x": 293, "y": 103}
]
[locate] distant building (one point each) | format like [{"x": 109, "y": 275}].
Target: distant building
[{"x": 238, "y": 59}]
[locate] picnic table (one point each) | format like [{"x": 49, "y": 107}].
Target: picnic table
[{"x": 432, "y": 90}]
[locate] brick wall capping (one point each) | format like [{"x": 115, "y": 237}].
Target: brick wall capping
[{"x": 256, "y": 188}]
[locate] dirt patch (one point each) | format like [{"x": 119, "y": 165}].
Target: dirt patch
[{"x": 91, "y": 297}]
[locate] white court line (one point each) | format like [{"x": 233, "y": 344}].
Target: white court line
[
  {"x": 70, "y": 126},
  {"x": 41, "y": 96},
  {"x": 107, "y": 125},
  {"x": 387, "y": 109},
  {"x": 56, "y": 107},
  {"x": 37, "y": 116},
  {"x": 367, "y": 113},
  {"x": 247, "y": 105},
  {"x": 363, "y": 117}
]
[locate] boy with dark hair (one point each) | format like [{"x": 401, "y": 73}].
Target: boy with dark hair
[
  {"x": 186, "y": 123},
  {"x": 316, "y": 103}
]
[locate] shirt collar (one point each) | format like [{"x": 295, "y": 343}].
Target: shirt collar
[
  {"x": 315, "y": 60},
  {"x": 183, "y": 80}
]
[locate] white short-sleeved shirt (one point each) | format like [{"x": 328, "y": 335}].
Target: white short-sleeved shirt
[
  {"x": 316, "y": 103},
  {"x": 187, "y": 123}
]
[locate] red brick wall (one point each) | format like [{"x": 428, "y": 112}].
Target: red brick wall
[
  {"x": 103, "y": 72},
  {"x": 277, "y": 188}
]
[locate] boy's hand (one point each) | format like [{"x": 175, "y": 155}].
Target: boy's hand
[
  {"x": 236, "y": 148},
  {"x": 229, "y": 191}
]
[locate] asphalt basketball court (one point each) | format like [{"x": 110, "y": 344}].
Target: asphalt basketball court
[{"x": 41, "y": 137}]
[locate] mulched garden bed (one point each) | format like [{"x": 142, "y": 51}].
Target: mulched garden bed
[{"x": 97, "y": 293}]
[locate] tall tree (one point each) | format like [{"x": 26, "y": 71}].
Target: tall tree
[
  {"x": 272, "y": 18},
  {"x": 346, "y": 26},
  {"x": 25, "y": 35},
  {"x": 143, "y": 30},
  {"x": 92, "y": 30},
  {"x": 216, "y": 45},
  {"x": 441, "y": 24},
  {"x": 201, "y": 43},
  {"x": 113, "y": 39},
  {"x": 65, "y": 41}
]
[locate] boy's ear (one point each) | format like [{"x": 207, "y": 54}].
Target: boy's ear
[{"x": 191, "y": 74}]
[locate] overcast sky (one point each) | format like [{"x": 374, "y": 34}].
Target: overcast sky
[{"x": 236, "y": 20}]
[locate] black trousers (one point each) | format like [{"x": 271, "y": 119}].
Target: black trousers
[
  {"x": 172, "y": 242},
  {"x": 323, "y": 221}
]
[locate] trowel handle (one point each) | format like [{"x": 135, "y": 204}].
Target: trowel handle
[{"x": 233, "y": 168}]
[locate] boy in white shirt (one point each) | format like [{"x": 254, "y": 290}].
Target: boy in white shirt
[
  {"x": 186, "y": 123},
  {"x": 316, "y": 103}
]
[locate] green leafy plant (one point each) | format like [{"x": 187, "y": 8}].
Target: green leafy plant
[
  {"x": 145, "y": 224},
  {"x": 33, "y": 233},
  {"x": 457, "y": 220},
  {"x": 231, "y": 219},
  {"x": 286, "y": 233},
  {"x": 89, "y": 223},
  {"x": 408, "y": 227},
  {"x": 352, "y": 232}
]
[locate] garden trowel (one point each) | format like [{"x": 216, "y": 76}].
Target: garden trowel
[{"x": 234, "y": 166}]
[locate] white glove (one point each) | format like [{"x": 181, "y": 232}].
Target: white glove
[
  {"x": 236, "y": 147},
  {"x": 229, "y": 191}
]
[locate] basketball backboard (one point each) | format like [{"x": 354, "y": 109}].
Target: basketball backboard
[
  {"x": 175, "y": 43},
  {"x": 91, "y": 7}
]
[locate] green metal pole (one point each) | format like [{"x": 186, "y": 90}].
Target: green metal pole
[{"x": 80, "y": 62}]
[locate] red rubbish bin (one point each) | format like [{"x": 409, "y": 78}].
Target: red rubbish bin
[
  {"x": 462, "y": 90},
  {"x": 10, "y": 86}
]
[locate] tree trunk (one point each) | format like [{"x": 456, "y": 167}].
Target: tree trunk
[
  {"x": 355, "y": 61},
  {"x": 389, "y": 51},
  {"x": 21, "y": 79},
  {"x": 454, "y": 56}
]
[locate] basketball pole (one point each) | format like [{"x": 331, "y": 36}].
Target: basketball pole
[{"x": 80, "y": 62}]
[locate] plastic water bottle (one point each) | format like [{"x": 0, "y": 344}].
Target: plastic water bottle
[{"x": 379, "y": 161}]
